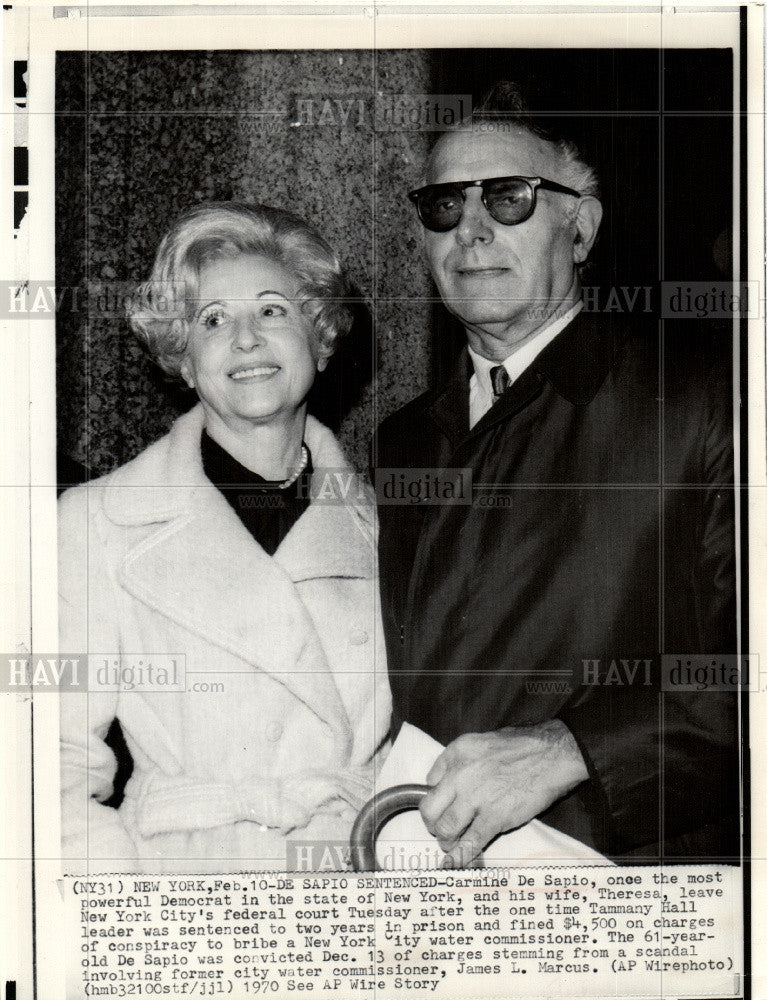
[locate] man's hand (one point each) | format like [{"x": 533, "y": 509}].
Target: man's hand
[{"x": 489, "y": 783}]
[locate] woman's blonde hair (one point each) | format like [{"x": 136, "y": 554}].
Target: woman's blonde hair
[{"x": 160, "y": 312}]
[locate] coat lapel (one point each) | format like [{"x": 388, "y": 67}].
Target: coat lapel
[
  {"x": 336, "y": 535},
  {"x": 199, "y": 566},
  {"x": 523, "y": 391},
  {"x": 450, "y": 409},
  {"x": 576, "y": 364}
]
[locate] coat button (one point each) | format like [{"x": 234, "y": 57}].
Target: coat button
[
  {"x": 358, "y": 637},
  {"x": 274, "y": 731}
]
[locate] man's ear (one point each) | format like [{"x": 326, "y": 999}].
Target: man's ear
[{"x": 586, "y": 221}]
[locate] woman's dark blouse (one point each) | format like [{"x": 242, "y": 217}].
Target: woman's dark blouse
[{"x": 266, "y": 510}]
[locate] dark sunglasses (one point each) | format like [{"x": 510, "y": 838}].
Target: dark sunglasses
[{"x": 509, "y": 200}]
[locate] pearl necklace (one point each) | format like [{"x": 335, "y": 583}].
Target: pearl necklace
[{"x": 301, "y": 466}]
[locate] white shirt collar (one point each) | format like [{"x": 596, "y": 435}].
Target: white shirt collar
[{"x": 481, "y": 396}]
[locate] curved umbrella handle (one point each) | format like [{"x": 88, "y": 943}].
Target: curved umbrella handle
[{"x": 372, "y": 817}]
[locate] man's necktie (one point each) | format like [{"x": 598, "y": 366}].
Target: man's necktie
[{"x": 500, "y": 379}]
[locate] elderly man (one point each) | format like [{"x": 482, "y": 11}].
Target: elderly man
[{"x": 525, "y": 629}]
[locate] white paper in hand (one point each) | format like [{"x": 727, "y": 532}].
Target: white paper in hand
[{"x": 405, "y": 843}]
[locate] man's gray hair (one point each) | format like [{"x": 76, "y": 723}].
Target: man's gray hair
[{"x": 504, "y": 107}]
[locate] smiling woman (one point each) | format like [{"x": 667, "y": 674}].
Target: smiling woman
[
  {"x": 209, "y": 548},
  {"x": 252, "y": 355}
]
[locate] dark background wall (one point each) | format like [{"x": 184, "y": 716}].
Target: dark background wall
[{"x": 142, "y": 136}]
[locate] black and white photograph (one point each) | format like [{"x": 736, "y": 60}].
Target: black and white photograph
[{"x": 401, "y": 457}]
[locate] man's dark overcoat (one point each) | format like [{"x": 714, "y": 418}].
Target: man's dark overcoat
[{"x": 600, "y": 536}]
